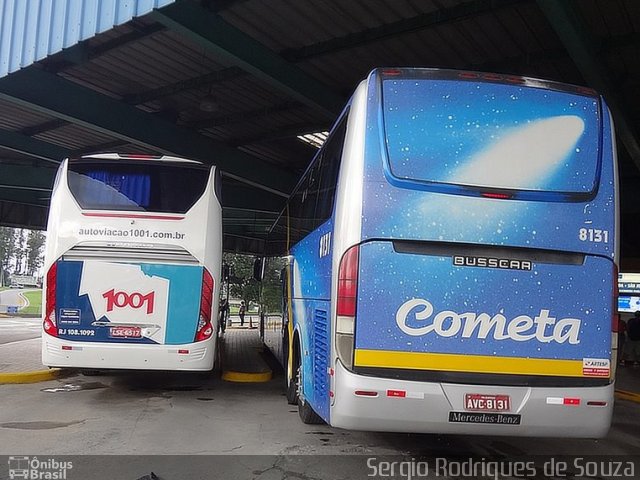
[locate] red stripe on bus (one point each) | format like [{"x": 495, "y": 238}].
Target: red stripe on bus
[{"x": 125, "y": 215}]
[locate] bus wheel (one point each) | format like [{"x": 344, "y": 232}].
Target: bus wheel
[
  {"x": 292, "y": 392},
  {"x": 217, "y": 361},
  {"x": 292, "y": 383},
  {"x": 306, "y": 413}
]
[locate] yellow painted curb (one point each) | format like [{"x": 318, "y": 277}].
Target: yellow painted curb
[
  {"x": 244, "y": 377},
  {"x": 29, "y": 377},
  {"x": 631, "y": 396}
]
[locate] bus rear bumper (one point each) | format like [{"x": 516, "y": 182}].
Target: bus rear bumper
[
  {"x": 422, "y": 407},
  {"x": 69, "y": 354}
]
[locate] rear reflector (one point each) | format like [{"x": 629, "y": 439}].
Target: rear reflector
[
  {"x": 562, "y": 401},
  {"x": 597, "y": 404},
  {"x": 183, "y": 352},
  {"x": 67, "y": 347},
  {"x": 396, "y": 393},
  {"x": 366, "y": 393}
]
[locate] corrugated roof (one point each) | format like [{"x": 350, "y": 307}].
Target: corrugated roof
[
  {"x": 162, "y": 70},
  {"x": 31, "y": 31}
]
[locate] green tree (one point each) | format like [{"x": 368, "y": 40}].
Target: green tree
[
  {"x": 272, "y": 284},
  {"x": 35, "y": 242},
  {"x": 7, "y": 248},
  {"x": 241, "y": 282},
  {"x": 19, "y": 251}
]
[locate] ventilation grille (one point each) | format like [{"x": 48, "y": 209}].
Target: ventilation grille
[
  {"x": 321, "y": 352},
  {"x": 161, "y": 254}
]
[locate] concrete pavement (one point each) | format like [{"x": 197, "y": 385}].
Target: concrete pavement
[
  {"x": 242, "y": 359},
  {"x": 20, "y": 360},
  {"x": 138, "y": 413}
]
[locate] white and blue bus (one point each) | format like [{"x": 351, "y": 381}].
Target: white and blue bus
[
  {"x": 449, "y": 260},
  {"x": 132, "y": 262}
]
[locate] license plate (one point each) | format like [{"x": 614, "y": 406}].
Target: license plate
[
  {"x": 125, "y": 332},
  {"x": 478, "y": 402}
]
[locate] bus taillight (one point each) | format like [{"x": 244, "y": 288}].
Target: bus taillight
[
  {"x": 615, "y": 317},
  {"x": 346, "y": 307},
  {"x": 50, "y": 325},
  {"x": 205, "y": 329},
  {"x": 348, "y": 283}
]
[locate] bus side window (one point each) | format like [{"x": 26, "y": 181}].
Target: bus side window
[
  {"x": 312, "y": 203},
  {"x": 313, "y": 191},
  {"x": 331, "y": 158},
  {"x": 294, "y": 222}
]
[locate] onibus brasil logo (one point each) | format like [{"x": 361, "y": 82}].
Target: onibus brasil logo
[{"x": 33, "y": 468}]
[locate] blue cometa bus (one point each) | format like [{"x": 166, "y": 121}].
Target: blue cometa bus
[{"x": 449, "y": 260}]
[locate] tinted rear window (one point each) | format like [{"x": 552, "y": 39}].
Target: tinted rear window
[
  {"x": 148, "y": 187},
  {"x": 491, "y": 135}
]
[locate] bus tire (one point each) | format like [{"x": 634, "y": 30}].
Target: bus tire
[
  {"x": 292, "y": 392},
  {"x": 305, "y": 411},
  {"x": 217, "y": 360},
  {"x": 291, "y": 383},
  {"x": 308, "y": 414}
]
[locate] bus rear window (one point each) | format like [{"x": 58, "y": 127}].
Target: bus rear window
[
  {"x": 148, "y": 186},
  {"x": 491, "y": 135}
]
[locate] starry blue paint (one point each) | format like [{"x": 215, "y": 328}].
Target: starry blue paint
[
  {"x": 422, "y": 141},
  {"x": 413, "y": 210},
  {"x": 389, "y": 279},
  {"x": 435, "y": 128}
]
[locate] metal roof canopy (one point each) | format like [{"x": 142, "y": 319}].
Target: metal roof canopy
[{"x": 105, "y": 75}]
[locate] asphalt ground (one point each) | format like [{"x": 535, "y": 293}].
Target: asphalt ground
[
  {"x": 14, "y": 329},
  {"x": 184, "y": 413}
]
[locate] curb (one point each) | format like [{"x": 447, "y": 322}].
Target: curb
[
  {"x": 29, "y": 377},
  {"x": 625, "y": 395},
  {"x": 244, "y": 377}
]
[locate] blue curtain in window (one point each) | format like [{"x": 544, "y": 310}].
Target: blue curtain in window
[{"x": 136, "y": 187}]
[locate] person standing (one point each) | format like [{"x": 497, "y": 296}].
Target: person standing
[
  {"x": 632, "y": 344},
  {"x": 241, "y": 313},
  {"x": 224, "y": 314},
  {"x": 622, "y": 337}
]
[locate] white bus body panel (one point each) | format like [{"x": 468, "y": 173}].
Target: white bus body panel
[
  {"x": 93, "y": 355},
  {"x": 428, "y": 410},
  {"x": 195, "y": 236}
]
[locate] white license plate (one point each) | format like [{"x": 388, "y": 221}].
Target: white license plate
[{"x": 125, "y": 332}]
